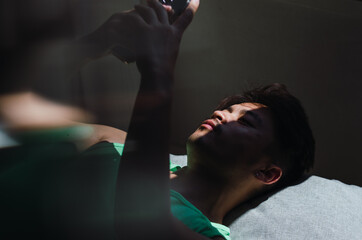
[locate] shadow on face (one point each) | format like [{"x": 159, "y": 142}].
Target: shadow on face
[{"x": 233, "y": 139}]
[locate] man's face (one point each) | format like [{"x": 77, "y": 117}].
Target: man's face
[{"x": 240, "y": 134}]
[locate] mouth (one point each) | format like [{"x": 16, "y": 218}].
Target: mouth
[{"x": 208, "y": 124}]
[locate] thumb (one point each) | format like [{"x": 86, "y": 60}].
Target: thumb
[{"x": 186, "y": 17}]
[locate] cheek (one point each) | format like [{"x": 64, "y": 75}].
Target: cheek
[
  {"x": 239, "y": 136},
  {"x": 237, "y": 141}
]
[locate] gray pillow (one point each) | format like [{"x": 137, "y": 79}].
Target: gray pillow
[{"x": 317, "y": 208}]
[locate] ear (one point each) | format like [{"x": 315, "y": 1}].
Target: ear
[{"x": 270, "y": 175}]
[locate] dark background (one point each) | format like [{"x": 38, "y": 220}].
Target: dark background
[{"x": 314, "y": 47}]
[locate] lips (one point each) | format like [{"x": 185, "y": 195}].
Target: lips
[{"x": 208, "y": 124}]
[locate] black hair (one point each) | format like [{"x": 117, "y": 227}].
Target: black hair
[{"x": 293, "y": 132}]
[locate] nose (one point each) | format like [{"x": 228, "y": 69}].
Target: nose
[{"x": 222, "y": 116}]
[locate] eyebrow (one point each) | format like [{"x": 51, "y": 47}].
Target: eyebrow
[{"x": 249, "y": 112}]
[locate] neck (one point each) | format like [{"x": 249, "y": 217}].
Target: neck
[{"x": 213, "y": 196}]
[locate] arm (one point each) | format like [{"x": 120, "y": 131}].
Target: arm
[
  {"x": 101, "y": 133},
  {"x": 142, "y": 198}
]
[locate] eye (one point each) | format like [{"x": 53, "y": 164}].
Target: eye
[{"x": 245, "y": 122}]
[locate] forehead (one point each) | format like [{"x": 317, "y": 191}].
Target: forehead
[{"x": 246, "y": 106}]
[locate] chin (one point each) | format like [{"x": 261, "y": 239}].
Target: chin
[
  {"x": 195, "y": 136},
  {"x": 202, "y": 146}
]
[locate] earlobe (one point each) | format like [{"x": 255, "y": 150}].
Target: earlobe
[{"x": 270, "y": 175}]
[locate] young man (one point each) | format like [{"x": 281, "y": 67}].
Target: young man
[
  {"x": 247, "y": 146},
  {"x": 250, "y": 143}
]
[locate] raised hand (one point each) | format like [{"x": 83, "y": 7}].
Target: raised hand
[
  {"x": 159, "y": 40},
  {"x": 141, "y": 33}
]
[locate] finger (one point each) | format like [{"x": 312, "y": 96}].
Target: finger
[
  {"x": 193, "y": 6},
  {"x": 171, "y": 15},
  {"x": 168, "y": 8},
  {"x": 186, "y": 17},
  {"x": 159, "y": 9},
  {"x": 170, "y": 11},
  {"x": 147, "y": 13}
]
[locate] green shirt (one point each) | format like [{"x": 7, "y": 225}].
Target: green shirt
[
  {"x": 193, "y": 218},
  {"x": 187, "y": 213}
]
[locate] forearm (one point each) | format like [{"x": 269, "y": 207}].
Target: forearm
[{"x": 143, "y": 181}]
